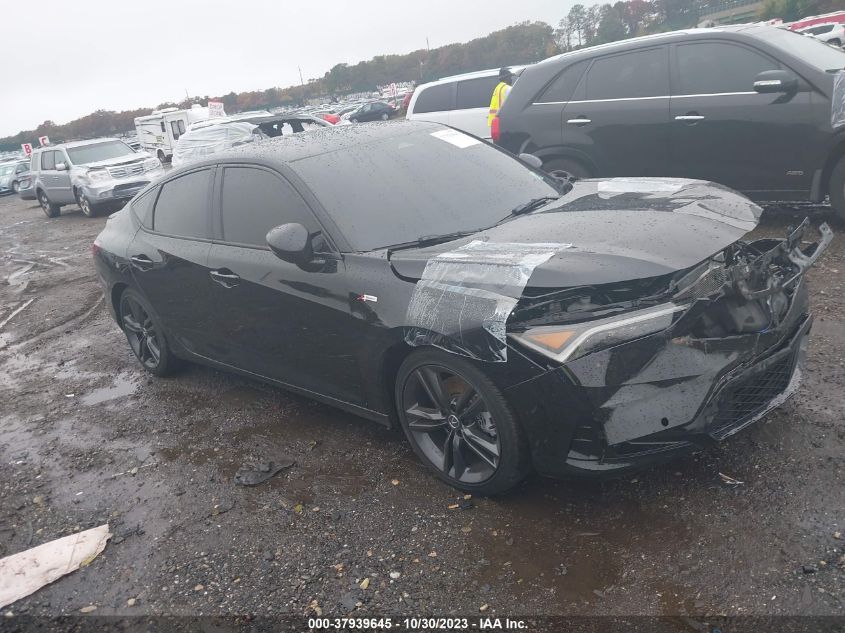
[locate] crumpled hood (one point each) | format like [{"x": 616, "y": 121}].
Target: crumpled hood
[
  {"x": 112, "y": 162},
  {"x": 616, "y": 229}
]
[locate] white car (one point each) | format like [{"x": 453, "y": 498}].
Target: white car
[
  {"x": 462, "y": 101},
  {"x": 831, "y": 32}
]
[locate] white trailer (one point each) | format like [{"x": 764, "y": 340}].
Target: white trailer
[{"x": 159, "y": 131}]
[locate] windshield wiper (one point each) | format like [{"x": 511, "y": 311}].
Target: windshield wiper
[
  {"x": 430, "y": 240},
  {"x": 533, "y": 205}
]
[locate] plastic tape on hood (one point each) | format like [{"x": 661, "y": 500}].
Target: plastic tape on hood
[
  {"x": 465, "y": 296},
  {"x": 837, "y": 102}
]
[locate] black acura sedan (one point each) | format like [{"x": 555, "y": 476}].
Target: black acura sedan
[{"x": 507, "y": 320}]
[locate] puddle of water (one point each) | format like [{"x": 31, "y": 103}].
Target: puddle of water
[{"x": 123, "y": 385}]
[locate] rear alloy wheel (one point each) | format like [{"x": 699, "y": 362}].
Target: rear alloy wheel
[
  {"x": 145, "y": 335},
  {"x": 50, "y": 209},
  {"x": 85, "y": 205},
  {"x": 459, "y": 424},
  {"x": 837, "y": 188}
]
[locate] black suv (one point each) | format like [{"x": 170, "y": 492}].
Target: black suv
[{"x": 750, "y": 107}]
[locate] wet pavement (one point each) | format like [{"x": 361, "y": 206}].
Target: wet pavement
[{"x": 86, "y": 437}]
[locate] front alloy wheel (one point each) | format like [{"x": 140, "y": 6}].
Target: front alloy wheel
[
  {"x": 85, "y": 205},
  {"x": 459, "y": 424}
]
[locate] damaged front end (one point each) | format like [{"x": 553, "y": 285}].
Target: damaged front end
[{"x": 639, "y": 371}]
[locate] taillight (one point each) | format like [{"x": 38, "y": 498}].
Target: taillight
[
  {"x": 95, "y": 249},
  {"x": 494, "y": 129}
]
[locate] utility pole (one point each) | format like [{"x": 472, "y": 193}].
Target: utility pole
[
  {"x": 427, "y": 47},
  {"x": 300, "y": 76}
]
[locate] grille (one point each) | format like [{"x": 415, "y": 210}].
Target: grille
[
  {"x": 124, "y": 171},
  {"x": 752, "y": 396}
]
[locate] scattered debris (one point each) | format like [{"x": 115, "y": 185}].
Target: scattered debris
[
  {"x": 199, "y": 588},
  {"x": 89, "y": 609},
  {"x": 298, "y": 508},
  {"x": 315, "y": 607},
  {"x": 253, "y": 476},
  {"x": 837, "y": 535},
  {"x": 395, "y": 575},
  {"x": 222, "y": 507},
  {"x": 395, "y": 482},
  {"x": 730, "y": 480},
  {"x": 484, "y": 607},
  {"x": 365, "y": 583},
  {"x": 26, "y": 572},
  {"x": 131, "y": 602},
  {"x": 809, "y": 569}
]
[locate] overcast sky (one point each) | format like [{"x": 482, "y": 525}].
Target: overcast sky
[{"x": 68, "y": 59}]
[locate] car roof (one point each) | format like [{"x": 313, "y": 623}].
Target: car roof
[
  {"x": 474, "y": 75},
  {"x": 657, "y": 38},
  {"x": 91, "y": 141},
  {"x": 289, "y": 149}
]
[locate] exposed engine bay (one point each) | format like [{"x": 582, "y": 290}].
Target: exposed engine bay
[{"x": 745, "y": 288}]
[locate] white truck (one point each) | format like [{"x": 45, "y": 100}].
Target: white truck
[{"x": 159, "y": 131}]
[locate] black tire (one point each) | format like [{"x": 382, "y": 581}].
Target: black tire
[
  {"x": 385, "y": 116},
  {"x": 16, "y": 187},
  {"x": 88, "y": 209},
  {"x": 145, "y": 334},
  {"x": 50, "y": 210},
  {"x": 561, "y": 166},
  {"x": 490, "y": 455},
  {"x": 353, "y": 120},
  {"x": 836, "y": 188}
]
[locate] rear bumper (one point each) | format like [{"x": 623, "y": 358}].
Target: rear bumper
[{"x": 653, "y": 400}]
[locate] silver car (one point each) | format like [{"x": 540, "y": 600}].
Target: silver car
[
  {"x": 10, "y": 175},
  {"x": 95, "y": 175}
]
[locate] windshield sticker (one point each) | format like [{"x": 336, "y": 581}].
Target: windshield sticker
[
  {"x": 837, "y": 103},
  {"x": 465, "y": 296},
  {"x": 456, "y": 138}
]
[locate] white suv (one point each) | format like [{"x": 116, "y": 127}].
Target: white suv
[
  {"x": 831, "y": 32},
  {"x": 462, "y": 101}
]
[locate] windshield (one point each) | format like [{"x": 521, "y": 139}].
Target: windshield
[
  {"x": 430, "y": 182},
  {"x": 85, "y": 154},
  {"x": 809, "y": 49}
]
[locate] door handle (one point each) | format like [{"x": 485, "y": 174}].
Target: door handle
[
  {"x": 690, "y": 117},
  {"x": 141, "y": 262},
  {"x": 579, "y": 121},
  {"x": 225, "y": 277}
]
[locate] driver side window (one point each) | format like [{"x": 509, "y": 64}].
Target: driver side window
[
  {"x": 254, "y": 201},
  {"x": 703, "y": 68}
]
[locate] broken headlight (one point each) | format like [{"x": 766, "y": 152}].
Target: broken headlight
[{"x": 566, "y": 342}]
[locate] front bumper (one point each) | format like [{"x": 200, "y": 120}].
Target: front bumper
[
  {"x": 653, "y": 399},
  {"x": 119, "y": 190}
]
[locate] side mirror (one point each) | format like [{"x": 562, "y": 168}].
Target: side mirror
[
  {"x": 291, "y": 243},
  {"x": 775, "y": 81},
  {"x": 531, "y": 160},
  {"x": 61, "y": 166}
]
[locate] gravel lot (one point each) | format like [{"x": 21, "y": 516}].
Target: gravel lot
[{"x": 357, "y": 524}]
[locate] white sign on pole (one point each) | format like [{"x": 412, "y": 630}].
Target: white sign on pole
[
  {"x": 44, "y": 140},
  {"x": 27, "y": 149},
  {"x": 215, "y": 109}
]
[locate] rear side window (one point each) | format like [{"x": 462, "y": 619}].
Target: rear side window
[
  {"x": 563, "y": 85},
  {"x": 48, "y": 160},
  {"x": 436, "y": 98},
  {"x": 632, "y": 75},
  {"x": 475, "y": 93},
  {"x": 143, "y": 207},
  {"x": 717, "y": 68},
  {"x": 254, "y": 201},
  {"x": 183, "y": 208}
]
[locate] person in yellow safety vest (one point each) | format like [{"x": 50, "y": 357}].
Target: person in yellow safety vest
[{"x": 500, "y": 93}]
